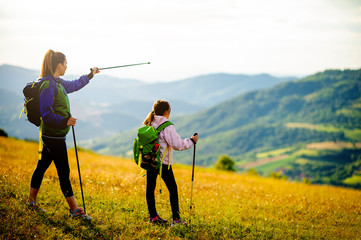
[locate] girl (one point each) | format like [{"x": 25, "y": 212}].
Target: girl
[
  {"x": 55, "y": 124},
  {"x": 168, "y": 140}
]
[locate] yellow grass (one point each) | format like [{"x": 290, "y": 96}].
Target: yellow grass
[{"x": 226, "y": 205}]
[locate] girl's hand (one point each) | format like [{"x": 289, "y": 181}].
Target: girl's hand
[
  {"x": 71, "y": 121},
  {"x": 195, "y": 138}
]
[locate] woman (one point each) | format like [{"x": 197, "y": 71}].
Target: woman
[
  {"x": 55, "y": 124},
  {"x": 168, "y": 139}
]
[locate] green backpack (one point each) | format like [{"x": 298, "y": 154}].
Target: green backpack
[{"x": 146, "y": 148}]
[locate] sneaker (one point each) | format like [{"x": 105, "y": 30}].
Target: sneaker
[
  {"x": 35, "y": 207},
  {"x": 179, "y": 223},
  {"x": 78, "y": 213},
  {"x": 157, "y": 220}
]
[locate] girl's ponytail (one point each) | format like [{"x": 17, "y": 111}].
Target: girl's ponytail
[
  {"x": 149, "y": 119},
  {"x": 50, "y": 62},
  {"x": 159, "y": 108},
  {"x": 46, "y": 68}
]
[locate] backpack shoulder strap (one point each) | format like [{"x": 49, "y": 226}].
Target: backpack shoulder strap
[
  {"x": 163, "y": 125},
  {"x": 51, "y": 82}
]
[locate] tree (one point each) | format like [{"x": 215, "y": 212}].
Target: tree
[
  {"x": 225, "y": 163},
  {"x": 3, "y": 133}
]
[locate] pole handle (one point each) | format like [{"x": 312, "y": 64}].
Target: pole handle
[{"x": 195, "y": 134}]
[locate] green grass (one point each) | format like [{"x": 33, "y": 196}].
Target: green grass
[
  {"x": 302, "y": 161},
  {"x": 267, "y": 168},
  {"x": 349, "y": 112},
  {"x": 306, "y": 153},
  {"x": 354, "y": 134},
  {"x": 323, "y": 162},
  {"x": 274, "y": 152},
  {"x": 354, "y": 180}
]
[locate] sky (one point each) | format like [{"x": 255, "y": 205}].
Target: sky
[{"x": 184, "y": 38}]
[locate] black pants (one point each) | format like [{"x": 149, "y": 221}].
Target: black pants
[
  {"x": 168, "y": 178},
  {"x": 53, "y": 149}
]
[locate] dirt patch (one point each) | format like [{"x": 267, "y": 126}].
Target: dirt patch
[{"x": 333, "y": 145}]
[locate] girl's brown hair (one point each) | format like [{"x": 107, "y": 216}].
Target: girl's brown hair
[
  {"x": 159, "y": 108},
  {"x": 50, "y": 62}
]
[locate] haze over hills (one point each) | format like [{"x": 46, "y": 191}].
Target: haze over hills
[
  {"x": 304, "y": 129},
  {"x": 321, "y": 108},
  {"x": 329, "y": 97},
  {"x": 109, "y": 105}
]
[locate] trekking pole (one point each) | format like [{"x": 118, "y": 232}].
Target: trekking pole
[
  {"x": 194, "y": 160},
  {"x": 77, "y": 160},
  {"x": 129, "y": 65}
]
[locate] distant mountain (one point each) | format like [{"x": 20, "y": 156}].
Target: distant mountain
[
  {"x": 207, "y": 90},
  {"x": 13, "y": 78},
  {"x": 259, "y": 120},
  {"x": 109, "y": 105},
  {"x": 10, "y": 107}
]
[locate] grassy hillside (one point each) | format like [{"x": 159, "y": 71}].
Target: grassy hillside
[{"x": 226, "y": 205}]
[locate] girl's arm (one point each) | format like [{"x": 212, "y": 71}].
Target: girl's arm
[{"x": 174, "y": 140}]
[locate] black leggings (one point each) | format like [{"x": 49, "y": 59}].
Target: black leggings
[
  {"x": 168, "y": 178},
  {"x": 53, "y": 149}
]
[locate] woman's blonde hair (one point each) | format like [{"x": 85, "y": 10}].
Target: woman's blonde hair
[
  {"x": 50, "y": 62},
  {"x": 159, "y": 108}
]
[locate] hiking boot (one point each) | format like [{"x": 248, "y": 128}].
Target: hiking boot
[
  {"x": 157, "y": 220},
  {"x": 78, "y": 213},
  {"x": 35, "y": 207},
  {"x": 179, "y": 222}
]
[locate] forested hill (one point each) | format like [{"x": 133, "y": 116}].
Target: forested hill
[
  {"x": 269, "y": 119},
  {"x": 262, "y": 120}
]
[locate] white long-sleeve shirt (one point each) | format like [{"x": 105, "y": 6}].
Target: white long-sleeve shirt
[{"x": 169, "y": 137}]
